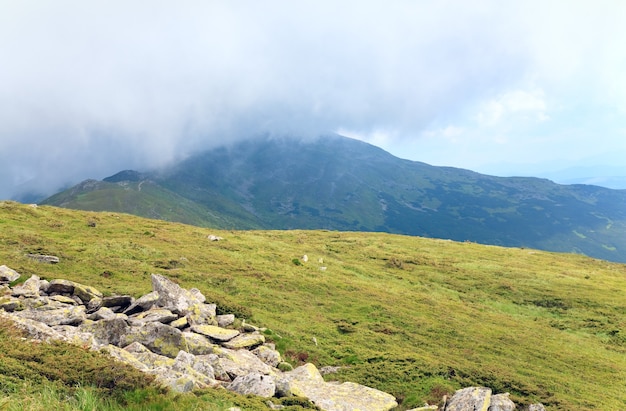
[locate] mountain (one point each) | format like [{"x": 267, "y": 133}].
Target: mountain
[{"x": 342, "y": 184}]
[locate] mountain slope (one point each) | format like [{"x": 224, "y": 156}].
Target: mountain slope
[
  {"x": 343, "y": 184},
  {"x": 415, "y": 317}
]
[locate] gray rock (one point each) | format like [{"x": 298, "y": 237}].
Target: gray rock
[
  {"x": 143, "y": 303},
  {"x": 470, "y": 398},
  {"x": 239, "y": 362},
  {"x": 34, "y": 329},
  {"x": 103, "y": 313},
  {"x": 121, "y": 301},
  {"x": 46, "y": 259},
  {"x": 172, "y": 296},
  {"x": 107, "y": 331},
  {"x": 29, "y": 289},
  {"x": 197, "y": 344},
  {"x": 306, "y": 381},
  {"x": 153, "y": 314},
  {"x": 245, "y": 341},
  {"x": 8, "y": 275},
  {"x": 255, "y": 384},
  {"x": 536, "y": 407},
  {"x": 68, "y": 315},
  {"x": 501, "y": 402},
  {"x": 225, "y": 320},
  {"x": 215, "y": 333},
  {"x": 61, "y": 287},
  {"x": 159, "y": 338},
  {"x": 269, "y": 356}
]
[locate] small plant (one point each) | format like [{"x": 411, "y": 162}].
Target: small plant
[{"x": 296, "y": 261}]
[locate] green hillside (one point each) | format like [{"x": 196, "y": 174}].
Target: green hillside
[
  {"x": 411, "y": 316},
  {"x": 337, "y": 183}
]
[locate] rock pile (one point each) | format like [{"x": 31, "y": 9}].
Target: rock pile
[{"x": 175, "y": 335}]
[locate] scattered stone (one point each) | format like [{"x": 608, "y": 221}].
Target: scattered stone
[
  {"x": 225, "y": 320},
  {"x": 159, "y": 338},
  {"x": 122, "y": 301},
  {"x": 268, "y": 355},
  {"x": 245, "y": 341},
  {"x": 536, "y": 407},
  {"x": 29, "y": 289},
  {"x": 61, "y": 287},
  {"x": 216, "y": 333},
  {"x": 212, "y": 237},
  {"x": 143, "y": 303},
  {"x": 46, "y": 259}
]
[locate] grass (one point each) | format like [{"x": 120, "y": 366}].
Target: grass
[{"x": 414, "y": 317}]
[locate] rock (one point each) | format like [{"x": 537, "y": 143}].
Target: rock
[
  {"x": 154, "y": 314},
  {"x": 214, "y": 332},
  {"x": 239, "y": 362},
  {"x": 202, "y": 314},
  {"x": 34, "y": 329},
  {"x": 86, "y": 293},
  {"x": 121, "y": 301},
  {"x": 225, "y": 320},
  {"x": 245, "y": 341},
  {"x": 61, "y": 287},
  {"x": 10, "y": 304},
  {"x": 159, "y": 338},
  {"x": 68, "y": 315},
  {"x": 107, "y": 331},
  {"x": 73, "y": 335},
  {"x": 198, "y": 294},
  {"x": 29, "y": 289},
  {"x": 306, "y": 381},
  {"x": 212, "y": 237},
  {"x": 470, "y": 398},
  {"x": 255, "y": 384},
  {"x": 197, "y": 363},
  {"x": 63, "y": 299},
  {"x": 143, "y": 303},
  {"x": 47, "y": 259},
  {"x": 8, "y": 275},
  {"x": 172, "y": 296},
  {"x": 103, "y": 313},
  {"x": 197, "y": 344},
  {"x": 267, "y": 355},
  {"x": 501, "y": 402},
  {"x": 180, "y": 323},
  {"x": 536, "y": 407}
]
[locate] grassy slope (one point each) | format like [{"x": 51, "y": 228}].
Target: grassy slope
[{"x": 411, "y": 316}]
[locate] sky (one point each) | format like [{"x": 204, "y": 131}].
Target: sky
[{"x": 535, "y": 88}]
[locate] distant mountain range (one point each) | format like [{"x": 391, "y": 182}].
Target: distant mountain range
[{"x": 337, "y": 183}]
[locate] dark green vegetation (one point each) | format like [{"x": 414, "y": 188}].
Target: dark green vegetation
[
  {"x": 414, "y": 317},
  {"x": 342, "y": 184}
]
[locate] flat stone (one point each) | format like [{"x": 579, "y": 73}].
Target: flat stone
[
  {"x": 214, "y": 332},
  {"x": 61, "y": 287},
  {"x": 29, "y": 289},
  {"x": 121, "y": 301},
  {"x": 46, "y": 259},
  {"x": 8, "y": 275},
  {"x": 470, "y": 398},
  {"x": 245, "y": 341}
]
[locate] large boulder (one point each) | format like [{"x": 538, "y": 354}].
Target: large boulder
[
  {"x": 306, "y": 381},
  {"x": 470, "y": 398},
  {"x": 172, "y": 296},
  {"x": 67, "y": 315},
  {"x": 33, "y": 329}
]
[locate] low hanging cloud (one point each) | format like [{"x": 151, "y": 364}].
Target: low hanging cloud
[{"x": 89, "y": 88}]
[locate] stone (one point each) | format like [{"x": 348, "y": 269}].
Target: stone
[
  {"x": 10, "y": 304},
  {"x": 214, "y": 332},
  {"x": 536, "y": 407},
  {"x": 180, "y": 323},
  {"x": 63, "y": 299},
  {"x": 269, "y": 356},
  {"x": 255, "y": 384},
  {"x": 73, "y": 335},
  {"x": 159, "y": 338},
  {"x": 121, "y": 301},
  {"x": 153, "y": 314},
  {"x": 245, "y": 341},
  {"x": 8, "y": 275},
  {"x": 61, "y": 287},
  {"x": 86, "y": 293},
  {"x": 34, "y": 329},
  {"x": 68, "y": 315},
  {"x": 198, "y": 294},
  {"x": 225, "y": 320},
  {"x": 501, "y": 402},
  {"x": 29, "y": 289},
  {"x": 108, "y": 331},
  {"x": 306, "y": 381},
  {"x": 202, "y": 314},
  {"x": 143, "y": 303},
  {"x": 212, "y": 237},
  {"x": 239, "y": 362},
  {"x": 172, "y": 296},
  {"x": 103, "y": 313},
  {"x": 197, "y": 344},
  {"x": 470, "y": 398},
  {"x": 46, "y": 259}
]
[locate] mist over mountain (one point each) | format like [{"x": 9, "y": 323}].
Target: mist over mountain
[{"x": 338, "y": 183}]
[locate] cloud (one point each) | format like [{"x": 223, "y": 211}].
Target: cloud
[{"x": 87, "y": 89}]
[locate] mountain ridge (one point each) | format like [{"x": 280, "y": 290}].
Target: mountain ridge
[{"x": 342, "y": 184}]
